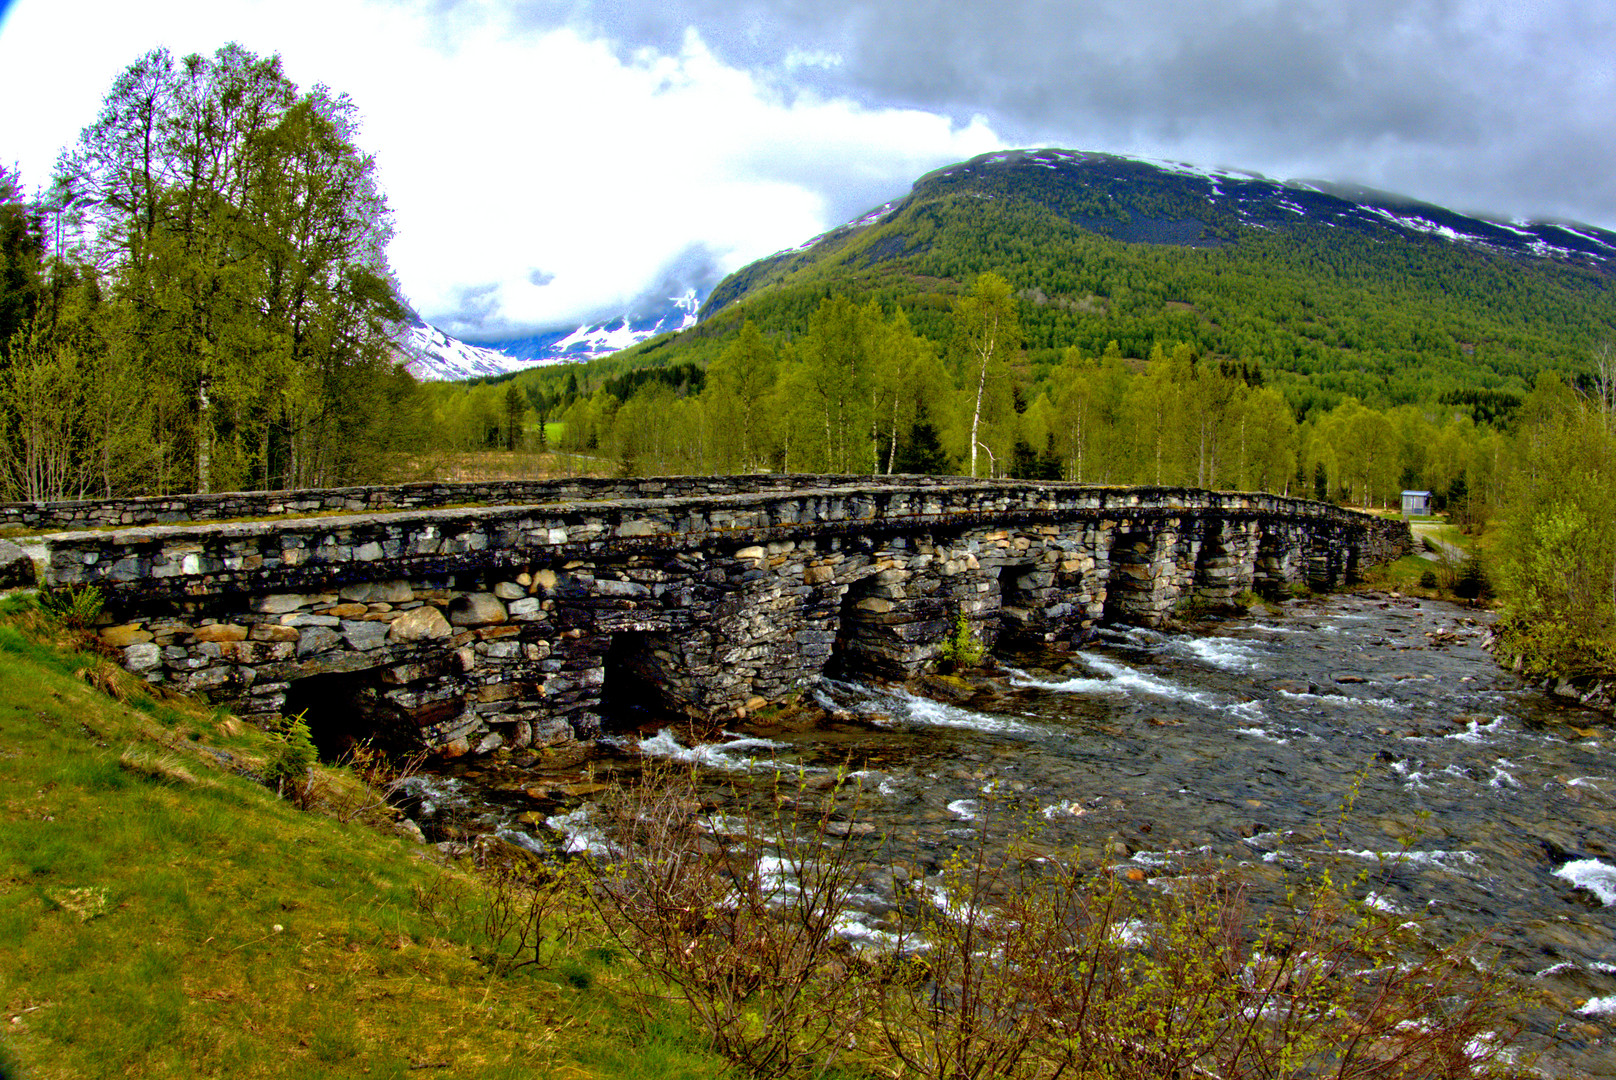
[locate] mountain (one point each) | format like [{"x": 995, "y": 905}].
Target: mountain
[
  {"x": 604, "y": 338},
  {"x": 1140, "y": 201},
  {"x": 1334, "y": 291},
  {"x": 432, "y": 355}
]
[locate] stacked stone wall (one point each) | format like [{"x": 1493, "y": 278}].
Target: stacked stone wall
[{"x": 474, "y": 628}]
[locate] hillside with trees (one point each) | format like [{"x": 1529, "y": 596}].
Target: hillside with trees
[{"x": 1166, "y": 325}]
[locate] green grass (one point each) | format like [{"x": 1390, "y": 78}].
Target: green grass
[{"x": 161, "y": 917}]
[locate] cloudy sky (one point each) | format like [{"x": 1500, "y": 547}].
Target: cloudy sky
[{"x": 551, "y": 161}]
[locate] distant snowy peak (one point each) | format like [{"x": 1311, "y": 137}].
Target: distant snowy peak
[
  {"x": 603, "y": 339},
  {"x": 599, "y": 339},
  {"x": 433, "y": 356}
]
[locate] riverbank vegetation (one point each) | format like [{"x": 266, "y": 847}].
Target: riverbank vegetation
[
  {"x": 165, "y": 913},
  {"x": 1557, "y": 571}
]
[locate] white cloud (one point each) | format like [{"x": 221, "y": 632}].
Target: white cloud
[{"x": 503, "y": 150}]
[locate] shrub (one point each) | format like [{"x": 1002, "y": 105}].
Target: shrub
[
  {"x": 73, "y": 608},
  {"x": 291, "y": 759},
  {"x": 738, "y": 915},
  {"x": 962, "y": 648},
  {"x": 1473, "y": 583},
  {"x": 1029, "y": 962}
]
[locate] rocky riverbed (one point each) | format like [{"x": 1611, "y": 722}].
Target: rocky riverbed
[{"x": 1484, "y": 805}]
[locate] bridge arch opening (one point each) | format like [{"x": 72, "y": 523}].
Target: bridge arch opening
[
  {"x": 634, "y": 688},
  {"x": 345, "y": 708},
  {"x": 1269, "y": 579},
  {"x": 1020, "y": 598},
  {"x": 864, "y": 641},
  {"x": 1217, "y": 567}
]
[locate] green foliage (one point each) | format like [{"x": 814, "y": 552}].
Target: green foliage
[
  {"x": 168, "y": 918},
  {"x": 961, "y": 648},
  {"x": 221, "y": 313},
  {"x": 1557, "y": 570},
  {"x": 74, "y": 608},
  {"x": 291, "y": 758}
]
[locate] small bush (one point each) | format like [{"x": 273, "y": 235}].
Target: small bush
[
  {"x": 1428, "y": 580},
  {"x": 962, "y": 648},
  {"x": 1473, "y": 583},
  {"x": 738, "y": 916},
  {"x": 528, "y": 907},
  {"x": 291, "y": 759}
]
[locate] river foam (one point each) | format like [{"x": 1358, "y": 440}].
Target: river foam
[{"x": 1597, "y": 877}]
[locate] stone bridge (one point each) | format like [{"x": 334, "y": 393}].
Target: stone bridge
[{"x": 467, "y": 628}]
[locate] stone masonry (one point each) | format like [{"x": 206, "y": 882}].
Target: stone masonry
[{"x": 467, "y": 629}]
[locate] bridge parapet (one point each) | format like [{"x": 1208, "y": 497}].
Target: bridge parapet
[
  {"x": 196, "y": 561},
  {"x": 62, "y": 516},
  {"x": 471, "y": 628}
]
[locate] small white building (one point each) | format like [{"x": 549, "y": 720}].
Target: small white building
[{"x": 1416, "y": 504}]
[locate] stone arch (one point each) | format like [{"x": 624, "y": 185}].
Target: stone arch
[
  {"x": 1023, "y": 585},
  {"x": 1225, "y": 562},
  {"x": 869, "y": 614},
  {"x": 640, "y": 680}
]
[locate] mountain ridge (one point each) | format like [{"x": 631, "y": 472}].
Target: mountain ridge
[{"x": 1233, "y": 198}]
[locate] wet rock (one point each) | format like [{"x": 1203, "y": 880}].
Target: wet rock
[{"x": 849, "y": 828}]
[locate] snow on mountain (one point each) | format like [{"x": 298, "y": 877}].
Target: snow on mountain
[
  {"x": 604, "y": 338},
  {"x": 433, "y": 356},
  {"x": 1260, "y": 202}
]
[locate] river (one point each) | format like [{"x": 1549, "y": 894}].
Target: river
[{"x": 1475, "y": 801}]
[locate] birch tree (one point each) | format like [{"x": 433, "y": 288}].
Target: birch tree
[{"x": 987, "y": 332}]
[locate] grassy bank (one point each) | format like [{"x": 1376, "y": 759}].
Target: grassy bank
[{"x": 161, "y": 915}]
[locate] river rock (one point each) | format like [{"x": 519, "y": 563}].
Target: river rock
[
  {"x": 129, "y": 634},
  {"x": 219, "y": 632},
  {"x": 364, "y": 635},
  {"x": 382, "y": 592},
  {"x": 142, "y": 656},
  {"x": 317, "y": 639}
]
